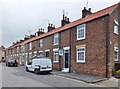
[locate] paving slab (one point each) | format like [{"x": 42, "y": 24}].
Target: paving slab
[
  {"x": 112, "y": 82},
  {"x": 80, "y": 76}
]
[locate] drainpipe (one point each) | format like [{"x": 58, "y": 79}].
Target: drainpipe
[
  {"x": 119, "y": 32},
  {"x": 107, "y": 45},
  {"x": 70, "y": 52},
  {"x": 58, "y": 52}
]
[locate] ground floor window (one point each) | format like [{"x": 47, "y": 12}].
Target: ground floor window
[
  {"x": 40, "y": 54},
  {"x": 30, "y": 57},
  {"x": 47, "y": 53},
  {"x": 55, "y": 56},
  {"x": 115, "y": 53},
  {"x": 81, "y": 54}
]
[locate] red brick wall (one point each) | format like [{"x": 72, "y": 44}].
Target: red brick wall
[
  {"x": 95, "y": 48},
  {"x": 64, "y": 42},
  {"x": 113, "y": 39}
]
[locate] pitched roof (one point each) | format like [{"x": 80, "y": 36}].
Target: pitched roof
[{"x": 75, "y": 23}]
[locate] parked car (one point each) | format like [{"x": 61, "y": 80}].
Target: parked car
[
  {"x": 40, "y": 65},
  {"x": 11, "y": 62}
]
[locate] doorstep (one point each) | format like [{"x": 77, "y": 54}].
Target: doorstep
[{"x": 80, "y": 76}]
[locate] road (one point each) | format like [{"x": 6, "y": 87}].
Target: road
[{"x": 18, "y": 77}]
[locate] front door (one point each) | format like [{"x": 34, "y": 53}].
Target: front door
[{"x": 66, "y": 58}]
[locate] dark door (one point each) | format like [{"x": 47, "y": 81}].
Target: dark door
[{"x": 66, "y": 58}]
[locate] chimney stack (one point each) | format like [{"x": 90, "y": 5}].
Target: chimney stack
[
  {"x": 21, "y": 41},
  {"x": 86, "y": 12},
  {"x": 26, "y": 37},
  {"x": 31, "y": 36},
  {"x": 40, "y": 31},
  {"x": 50, "y": 27},
  {"x": 65, "y": 20}
]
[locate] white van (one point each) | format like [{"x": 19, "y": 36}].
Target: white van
[{"x": 40, "y": 65}]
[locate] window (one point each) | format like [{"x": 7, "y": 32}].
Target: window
[
  {"x": 40, "y": 43},
  {"x": 47, "y": 53},
  {"x": 30, "y": 56},
  {"x": 55, "y": 56},
  {"x": 40, "y": 54},
  {"x": 81, "y": 54},
  {"x": 30, "y": 46},
  {"x": 116, "y": 27},
  {"x": 115, "y": 53},
  {"x": 35, "y": 53},
  {"x": 81, "y": 32},
  {"x": 17, "y": 49},
  {"x": 56, "y": 39}
]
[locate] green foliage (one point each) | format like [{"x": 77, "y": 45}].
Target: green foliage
[{"x": 118, "y": 72}]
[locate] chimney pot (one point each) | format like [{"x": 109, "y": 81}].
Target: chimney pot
[
  {"x": 65, "y": 18},
  {"x": 89, "y": 9},
  {"x": 86, "y": 12},
  {"x": 51, "y": 27}
]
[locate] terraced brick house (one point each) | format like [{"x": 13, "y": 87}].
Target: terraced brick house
[{"x": 88, "y": 45}]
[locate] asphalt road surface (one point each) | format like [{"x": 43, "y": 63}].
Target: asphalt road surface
[{"x": 18, "y": 77}]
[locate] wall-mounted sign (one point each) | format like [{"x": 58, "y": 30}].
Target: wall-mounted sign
[{"x": 60, "y": 52}]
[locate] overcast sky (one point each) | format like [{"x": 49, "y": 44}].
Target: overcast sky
[{"x": 21, "y": 17}]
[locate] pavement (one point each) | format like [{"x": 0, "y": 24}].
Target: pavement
[{"x": 98, "y": 80}]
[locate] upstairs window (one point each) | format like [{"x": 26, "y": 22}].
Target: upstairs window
[
  {"x": 17, "y": 49},
  {"x": 56, "y": 39},
  {"x": 41, "y": 43},
  {"x": 81, "y": 29},
  {"x": 30, "y": 46},
  {"x": 116, "y": 27},
  {"x": 115, "y": 53}
]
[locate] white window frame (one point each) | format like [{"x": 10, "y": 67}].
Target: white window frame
[
  {"x": 17, "y": 49},
  {"x": 47, "y": 51},
  {"x": 41, "y": 43},
  {"x": 80, "y": 61},
  {"x": 56, "y": 36},
  {"x": 117, "y": 50},
  {"x": 30, "y": 46},
  {"x": 55, "y": 50},
  {"x": 116, "y": 24},
  {"x": 81, "y": 28}
]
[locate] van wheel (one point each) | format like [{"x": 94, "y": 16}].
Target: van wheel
[
  {"x": 36, "y": 71},
  {"x": 27, "y": 69},
  {"x": 48, "y": 72}
]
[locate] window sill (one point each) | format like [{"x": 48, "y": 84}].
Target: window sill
[
  {"x": 115, "y": 33},
  {"x": 115, "y": 60},
  {"x": 55, "y": 44},
  {"x": 79, "y": 39},
  {"x": 80, "y": 62},
  {"x": 55, "y": 61}
]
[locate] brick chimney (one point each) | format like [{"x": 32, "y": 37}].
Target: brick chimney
[
  {"x": 65, "y": 20},
  {"x": 31, "y": 36},
  {"x": 26, "y": 37},
  {"x": 86, "y": 12},
  {"x": 21, "y": 41},
  {"x": 50, "y": 27},
  {"x": 40, "y": 31}
]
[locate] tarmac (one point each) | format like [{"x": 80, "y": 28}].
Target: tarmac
[{"x": 98, "y": 80}]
